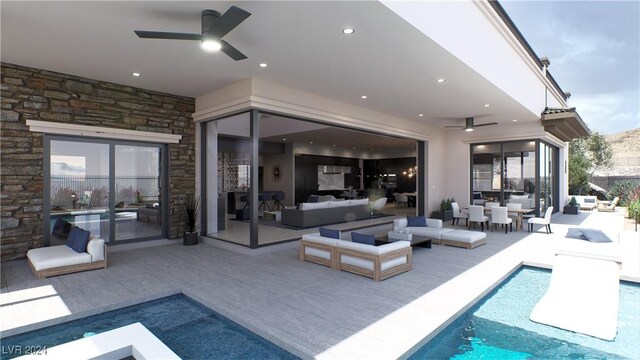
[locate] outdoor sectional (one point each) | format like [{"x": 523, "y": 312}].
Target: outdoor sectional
[
  {"x": 376, "y": 262},
  {"x": 443, "y": 236},
  {"x": 326, "y": 212}
]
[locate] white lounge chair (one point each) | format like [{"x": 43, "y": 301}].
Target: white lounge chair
[{"x": 377, "y": 205}]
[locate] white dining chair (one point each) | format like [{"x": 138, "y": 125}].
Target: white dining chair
[
  {"x": 499, "y": 216},
  {"x": 476, "y": 215},
  {"x": 546, "y": 221},
  {"x": 458, "y": 214},
  {"x": 490, "y": 205},
  {"x": 402, "y": 200}
]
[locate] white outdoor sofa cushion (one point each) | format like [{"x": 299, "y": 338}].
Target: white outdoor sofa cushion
[
  {"x": 61, "y": 259},
  {"x": 376, "y": 262},
  {"x": 464, "y": 238},
  {"x": 433, "y": 230}
]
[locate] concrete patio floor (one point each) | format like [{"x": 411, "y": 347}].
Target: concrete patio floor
[{"x": 309, "y": 310}]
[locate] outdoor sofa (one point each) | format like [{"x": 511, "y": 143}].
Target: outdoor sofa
[
  {"x": 586, "y": 202},
  {"x": 326, "y": 212},
  {"x": 442, "y": 236},
  {"x": 85, "y": 254},
  {"x": 376, "y": 262}
]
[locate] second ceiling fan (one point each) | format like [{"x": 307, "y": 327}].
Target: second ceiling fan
[{"x": 469, "y": 125}]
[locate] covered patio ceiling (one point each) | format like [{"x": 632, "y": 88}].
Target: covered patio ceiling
[{"x": 385, "y": 59}]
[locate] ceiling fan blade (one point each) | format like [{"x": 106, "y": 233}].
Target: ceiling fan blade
[
  {"x": 167, "y": 35},
  {"x": 231, "y": 51},
  {"x": 227, "y": 22},
  {"x": 487, "y": 124},
  {"x": 454, "y": 126}
]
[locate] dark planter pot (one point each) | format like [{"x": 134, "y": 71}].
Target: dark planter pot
[
  {"x": 190, "y": 238},
  {"x": 444, "y": 216},
  {"x": 571, "y": 210}
]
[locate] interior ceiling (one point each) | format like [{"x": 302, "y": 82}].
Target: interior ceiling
[
  {"x": 386, "y": 59},
  {"x": 333, "y": 136}
]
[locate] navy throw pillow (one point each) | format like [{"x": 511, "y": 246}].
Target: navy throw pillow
[
  {"x": 61, "y": 229},
  {"x": 416, "y": 221},
  {"x": 73, "y": 234},
  {"x": 334, "y": 234},
  {"x": 313, "y": 199},
  {"x": 82, "y": 239},
  {"x": 363, "y": 238},
  {"x": 589, "y": 201}
]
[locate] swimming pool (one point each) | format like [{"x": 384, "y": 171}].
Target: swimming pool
[
  {"x": 498, "y": 327},
  {"x": 187, "y": 327}
]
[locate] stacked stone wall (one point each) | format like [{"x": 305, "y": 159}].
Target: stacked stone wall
[{"x": 34, "y": 94}]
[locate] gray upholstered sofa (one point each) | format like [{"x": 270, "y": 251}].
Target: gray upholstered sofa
[{"x": 326, "y": 212}]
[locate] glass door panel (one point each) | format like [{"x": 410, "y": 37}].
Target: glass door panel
[
  {"x": 79, "y": 187},
  {"x": 138, "y": 211}
]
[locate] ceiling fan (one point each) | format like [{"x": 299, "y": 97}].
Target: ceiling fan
[
  {"x": 214, "y": 28},
  {"x": 469, "y": 126}
]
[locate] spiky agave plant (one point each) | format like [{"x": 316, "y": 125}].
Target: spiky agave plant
[{"x": 191, "y": 208}]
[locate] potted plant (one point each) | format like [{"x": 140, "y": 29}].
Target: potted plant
[
  {"x": 191, "y": 208},
  {"x": 446, "y": 211},
  {"x": 572, "y": 207}
]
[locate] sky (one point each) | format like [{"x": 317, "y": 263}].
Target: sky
[{"x": 594, "y": 49}]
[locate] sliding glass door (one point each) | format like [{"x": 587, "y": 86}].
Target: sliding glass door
[
  {"x": 138, "y": 212},
  {"x": 111, "y": 188},
  {"x": 79, "y": 186}
]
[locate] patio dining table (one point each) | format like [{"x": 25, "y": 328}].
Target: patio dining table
[{"x": 519, "y": 215}]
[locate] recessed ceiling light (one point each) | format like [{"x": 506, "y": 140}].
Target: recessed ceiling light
[
  {"x": 487, "y": 105},
  {"x": 136, "y": 74},
  {"x": 284, "y": 139},
  {"x": 514, "y": 120},
  {"x": 440, "y": 81},
  {"x": 421, "y": 115},
  {"x": 348, "y": 31},
  {"x": 210, "y": 45},
  {"x": 363, "y": 96},
  {"x": 310, "y": 142},
  {"x": 334, "y": 145},
  {"x": 263, "y": 65}
]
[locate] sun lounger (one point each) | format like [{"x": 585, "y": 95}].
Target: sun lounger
[{"x": 583, "y": 297}]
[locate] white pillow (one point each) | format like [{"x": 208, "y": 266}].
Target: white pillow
[
  {"x": 519, "y": 197},
  {"x": 95, "y": 248},
  {"x": 313, "y": 206}
]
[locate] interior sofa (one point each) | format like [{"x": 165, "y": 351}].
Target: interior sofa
[
  {"x": 526, "y": 201},
  {"x": 376, "y": 262},
  {"x": 326, "y": 212},
  {"x": 433, "y": 230},
  {"x": 586, "y": 202},
  {"x": 61, "y": 259}
]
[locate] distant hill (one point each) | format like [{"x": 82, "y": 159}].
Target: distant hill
[{"x": 626, "y": 154}]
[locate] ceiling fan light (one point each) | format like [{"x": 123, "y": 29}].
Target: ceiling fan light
[
  {"x": 210, "y": 45},
  {"x": 468, "y": 129}
]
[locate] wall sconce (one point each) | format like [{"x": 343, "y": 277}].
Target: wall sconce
[{"x": 276, "y": 172}]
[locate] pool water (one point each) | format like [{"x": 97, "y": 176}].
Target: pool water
[
  {"x": 498, "y": 327},
  {"x": 187, "y": 327}
]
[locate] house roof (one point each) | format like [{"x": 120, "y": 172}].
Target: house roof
[{"x": 564, "y": 123}]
